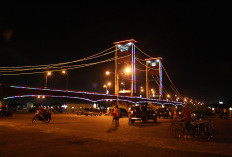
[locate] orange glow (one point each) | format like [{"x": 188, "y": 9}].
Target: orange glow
[
  {"x": 63, "y": 71},
  {"x": 49, "y": 73}
]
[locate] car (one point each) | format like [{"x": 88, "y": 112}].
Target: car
[
  {"x": 141, "y": 113},
  {"x": 80, "y": 112},
  {"x": 163, "y": 112},
  {"x": 92, "y": 112}
]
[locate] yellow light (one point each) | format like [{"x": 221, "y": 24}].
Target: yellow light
[
  {"x": 63, "y": 71},
  {"x": 127, "y": 70},
  {"x": 142, "y": 90},
  {"x": 107, "y": 72},
  {"x": 109, "y": 84},
  {"x": 49, "y": 73},
  {"x": 168, "y": 96}
]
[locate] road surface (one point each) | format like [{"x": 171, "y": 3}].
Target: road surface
[{"x": 78, "y": 135}]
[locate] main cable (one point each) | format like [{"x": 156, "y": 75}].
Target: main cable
[
  {"x": 74, "y": 67},
  {"x": 83, "y": 59}
]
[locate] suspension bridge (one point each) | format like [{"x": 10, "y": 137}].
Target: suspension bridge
[{"x": 127, "y": 87}]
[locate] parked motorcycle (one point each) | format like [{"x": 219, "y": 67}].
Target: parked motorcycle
[{"x": 45, "y": 119}]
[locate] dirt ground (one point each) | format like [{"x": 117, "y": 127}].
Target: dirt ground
[{"x": 77, "y": 135}]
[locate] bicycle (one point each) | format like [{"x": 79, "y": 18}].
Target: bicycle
[
  {"x": 201, "y": 129},
  {"x": 204, "y": 130}
]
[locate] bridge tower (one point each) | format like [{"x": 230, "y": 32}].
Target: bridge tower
[
  {"x": 154, "y": 78},
  {"x": 125, "y": 59}
]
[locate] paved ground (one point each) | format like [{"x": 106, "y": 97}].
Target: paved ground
[{"x": 72, "y": 135}]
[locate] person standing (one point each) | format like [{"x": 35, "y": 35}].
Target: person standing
[
  {"x": 175, "y": 114},
  {"x": 187, "y": 120},
  {"x": 116, "y": 115}
]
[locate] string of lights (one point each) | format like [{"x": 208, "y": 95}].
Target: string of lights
[
  {"x": 50, "y": 67},
  {"x": 172, "y": 82},
  {"x": 111, "y": 97},
  {"x": 69, "y": 68},
  {"x": 143, "y": 52},
  {"x": 174, "y": 88},
  {"x": 86, "y": 58}
]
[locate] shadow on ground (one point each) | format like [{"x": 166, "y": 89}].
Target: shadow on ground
[
  {"x": 147, "y": 124},
  {"x": 112, "y": 129}
]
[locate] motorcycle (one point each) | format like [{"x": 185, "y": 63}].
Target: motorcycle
[
  {"x": 45, "y": 119},
  {"x": 5, "y": 113}
]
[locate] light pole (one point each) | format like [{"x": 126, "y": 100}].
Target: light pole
[
  {"x": 105, "y": 86},
  {"x": 64, "y": 72},
  {"x": 141, "y": 91},
  {"x": 127, "y": 71},
  {"x": 49, "y": 73}
]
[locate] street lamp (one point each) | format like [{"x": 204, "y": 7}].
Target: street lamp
[
  {"x": 127, "y": 70},
  {"x": 49, "y": 73},
  {"x": 141, "y": 91},
  {"x": 107, "y": 72},
  {"x": 64, "y": 72},
  {"x": 107, "y": 85}
]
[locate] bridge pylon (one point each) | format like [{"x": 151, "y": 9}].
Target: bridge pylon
[
  {"x": 125, "y": 60},
  {"x": 154, "y": 69}
]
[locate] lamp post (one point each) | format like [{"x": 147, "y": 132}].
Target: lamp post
[
  {"x": 141, "y": 91},
  {"x": 64, "y": 72},
  {"x": 127, "y": 70},
  {"x": 49, "y": 73},
  {"x": 105, "y": 86}
]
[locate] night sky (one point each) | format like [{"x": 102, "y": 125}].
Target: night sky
[{"x": 190, "y": 37}]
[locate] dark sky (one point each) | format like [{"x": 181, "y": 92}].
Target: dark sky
[{"x": 190, "y": 37}]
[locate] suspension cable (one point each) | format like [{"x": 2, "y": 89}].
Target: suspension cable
[
  {"x": 74, "y": 67},
  {"x": 59, "y": 63}
]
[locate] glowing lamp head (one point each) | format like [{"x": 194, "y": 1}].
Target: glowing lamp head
[
  {"x": 49, "y": 73},
  {"x": 128, "y": 70},
  {"x": 109, "y": 83},
  {"x": 63, "y": 71},
  {"x": 107, "y": 72}
]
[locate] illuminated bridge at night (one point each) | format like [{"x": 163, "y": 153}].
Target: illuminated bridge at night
[
  {"x": 8, "y": 92},
  {"x": 127, "y": 64}
]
